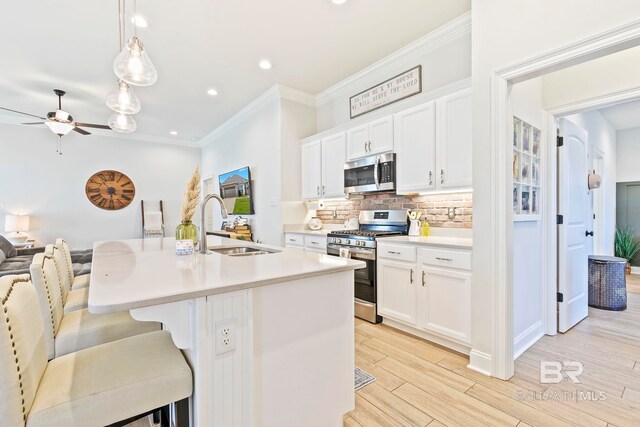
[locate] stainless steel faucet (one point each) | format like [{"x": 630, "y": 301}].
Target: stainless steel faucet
[{"x": 203, "y": 231}]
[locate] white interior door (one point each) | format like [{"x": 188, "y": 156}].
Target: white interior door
[{"x": 575, "y": 206}]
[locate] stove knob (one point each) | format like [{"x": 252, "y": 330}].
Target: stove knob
[{"x": 338, "y": 241}]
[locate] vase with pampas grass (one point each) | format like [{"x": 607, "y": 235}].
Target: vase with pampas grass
[{"x": 187, "y": 230}]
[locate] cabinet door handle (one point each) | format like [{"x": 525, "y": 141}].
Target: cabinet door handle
[
  {"x": 423, "y": 279},
  {"x": 365, "y": 146},
  {"x": 443, "y": 259},
  {"x": 369, "y": 145},
  {"x": 411, "y": 277},
  {"x": 430, "y": 178},
  {"x": 318, "y": 190},
  {"x": 323, "y": 189},
  {"x": 441, "y": 176}
]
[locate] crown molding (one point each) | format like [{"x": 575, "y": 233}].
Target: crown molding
[
  {"x": 274, "y": 93},
  {"x": 381, "y": 69},
  {"x": 8, "y": 119}
]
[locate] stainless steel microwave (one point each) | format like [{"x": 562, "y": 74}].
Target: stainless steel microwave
[{"x": 370, "y": 174}]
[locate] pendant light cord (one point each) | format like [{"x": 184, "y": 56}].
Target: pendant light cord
[
  {"x": 121, "y": 23},
  {"x": 135, "y": 18}
]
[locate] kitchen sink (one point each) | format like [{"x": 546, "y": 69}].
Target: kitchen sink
[{"x": 241, "y": 250}]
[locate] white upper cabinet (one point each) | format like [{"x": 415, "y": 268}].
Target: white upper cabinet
[
  {"x": 415, "y": 143},
  {"x": 311, "y": 170},
  {"x": 433, "y": 145},
  {"x": 323, "y": 167},
  {"x": 370, "y": 138},
  {"x": 334, "y": 155},
  {"x": 453, "y": 134},
  {"x": 357, "y": 141}
]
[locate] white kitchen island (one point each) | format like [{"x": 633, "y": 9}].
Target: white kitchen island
[{"x": 269, "y": 337}]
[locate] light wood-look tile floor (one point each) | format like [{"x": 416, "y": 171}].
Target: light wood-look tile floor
[{"x": 421, "y": 384}]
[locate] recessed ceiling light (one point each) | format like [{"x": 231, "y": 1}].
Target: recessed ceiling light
[
  {"x": 265, "y": 64},
  {"x": 139, "y": 21},
  {"x": 173, "y": 132},
  {"x": 212, "y": 92},
  {"x": 338, "y": 2}
]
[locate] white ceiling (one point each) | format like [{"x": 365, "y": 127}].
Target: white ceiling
[
  {"x": 623, "y": 116},
  {"x": 197, "y": 45}
]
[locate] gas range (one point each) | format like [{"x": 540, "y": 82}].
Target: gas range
[{"x": 361, "y": 245}]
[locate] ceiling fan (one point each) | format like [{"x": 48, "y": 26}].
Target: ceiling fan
[{"x": 60, "y": 122}]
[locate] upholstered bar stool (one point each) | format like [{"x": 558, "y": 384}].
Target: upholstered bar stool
[
  {"x": 77, "y": 282},
  {"x": 98, "y": 386},
  {"x": 76, "y": 330},
  {"x": 71, "y": 300}
]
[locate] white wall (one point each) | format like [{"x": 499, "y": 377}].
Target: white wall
[
  {"x": 611, "y": 73},
  {"x": 627, "y": 155},
  {"x": 441, "y": 66},
  {"x": 503, "y": 34},
  {"x": 266, "y": 139},
  {"x": 255, "y": 142},
  {"x": 35, "y": 180},
  {"x": 526, "y": 103},
  {"x": 602, "y": 137}
]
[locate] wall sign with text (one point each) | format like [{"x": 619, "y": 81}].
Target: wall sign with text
[{"x": 393, "y": 90}]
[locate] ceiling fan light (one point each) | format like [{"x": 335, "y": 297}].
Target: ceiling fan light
[
  {"x": 123, "y": 123},
  {"x": 134, "y": 66},
  {"x": 122, "y": 99},
  {"x": 59, "y": 128}
]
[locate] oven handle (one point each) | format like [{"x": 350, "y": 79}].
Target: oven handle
[
  {"x": 376, "y": 172},
  {"x": 357, "y": 254}
]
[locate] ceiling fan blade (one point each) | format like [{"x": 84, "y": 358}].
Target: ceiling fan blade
[
  {"x": 91, "y": 125},
  {"x": 34, "y": 123},
  {"x": 20, "y": 112},
  {"x": 81, "y": 131}
]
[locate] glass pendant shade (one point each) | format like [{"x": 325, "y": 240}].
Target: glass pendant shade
[
  {"x": 122, "y": 99},
  {"x": 134, "y": 66},
  {"x": 123, "y": 123},
  {"x": 59, "y": 128}
]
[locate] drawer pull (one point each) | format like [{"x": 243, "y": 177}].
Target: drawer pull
[
  {"x": 393, "y": 252},
  {"x": 443, "y": 259},
  {"x": 314, "y": 243},
  {"x": 292, "y": 240}
]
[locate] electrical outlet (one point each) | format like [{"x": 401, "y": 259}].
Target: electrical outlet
[
  {"x": 452, "y": 213},
  {"x": 225, "y": 335}
]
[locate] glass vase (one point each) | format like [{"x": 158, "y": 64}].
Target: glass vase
[{"x": 187, "y": 231}]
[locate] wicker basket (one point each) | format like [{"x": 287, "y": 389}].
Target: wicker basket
[{"x": 607, "y": 283}]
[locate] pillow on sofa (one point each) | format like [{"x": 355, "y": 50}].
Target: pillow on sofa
[
  {"x": 2, "y": 257},
  {"x": 6, "y": 247}
]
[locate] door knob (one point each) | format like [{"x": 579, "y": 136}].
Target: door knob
[{"x": 588, "y": 233}]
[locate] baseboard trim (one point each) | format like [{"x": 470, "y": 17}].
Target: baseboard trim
[
  {"x": 460, "y": 348},
  {"x": 480, "y": 362},
  {"x": 526, "y": 339}
]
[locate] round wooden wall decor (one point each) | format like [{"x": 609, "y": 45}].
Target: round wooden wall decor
[{"x": 110, "y": 190}]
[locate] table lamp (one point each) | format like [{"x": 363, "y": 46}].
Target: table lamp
[{"x": 17, "y": 224}]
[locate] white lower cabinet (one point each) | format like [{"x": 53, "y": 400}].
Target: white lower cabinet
[
  {"x": 397, "y": 298},
  {"x": 428, "y": 291}
]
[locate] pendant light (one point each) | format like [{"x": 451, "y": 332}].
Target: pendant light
[
  {"x": 122, "y": 99},
  {"x": 123, "y": 123},
  {"x": 133, "y": 64}
]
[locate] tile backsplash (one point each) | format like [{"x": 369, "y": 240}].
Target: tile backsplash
[{"x": 434, "y": 207}]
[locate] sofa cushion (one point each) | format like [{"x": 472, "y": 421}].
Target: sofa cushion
[
  {"x": 16, "y": 265},
  {"x": 2, "y": 257},
  {"x": 6, "y": 247},
  {"x": 80, "y": 269}
]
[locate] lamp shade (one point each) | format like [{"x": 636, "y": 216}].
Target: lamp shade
[{"x": 16, "y": 223}]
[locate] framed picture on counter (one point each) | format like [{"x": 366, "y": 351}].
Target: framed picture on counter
[{"x": 527, "y": 170}]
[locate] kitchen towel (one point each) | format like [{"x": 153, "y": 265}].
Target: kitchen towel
[{"x": 345, "y": 253}]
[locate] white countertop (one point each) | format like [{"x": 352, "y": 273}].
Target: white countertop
[
  {"x": 441, "y": 241},
  {"x": 128, "y": 274}
]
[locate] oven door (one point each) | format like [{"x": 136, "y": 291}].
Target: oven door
[
  {"x": 375, "y": 173},
  {"x": 365, "y": 278}
]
